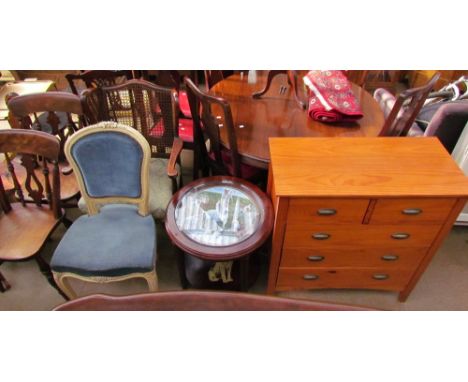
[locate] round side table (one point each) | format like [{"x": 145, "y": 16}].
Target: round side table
[{"x": 221, "y": 220}]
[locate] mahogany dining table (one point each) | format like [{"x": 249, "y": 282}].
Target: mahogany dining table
[{"x": 278, "y": 114}]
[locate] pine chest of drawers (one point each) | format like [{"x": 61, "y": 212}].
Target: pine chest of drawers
[{"x": 359, "y": 212}]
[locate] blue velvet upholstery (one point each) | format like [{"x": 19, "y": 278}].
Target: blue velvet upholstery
[
  {"x": 115, "y": 242},
  {"x": 110, "y": 163}
]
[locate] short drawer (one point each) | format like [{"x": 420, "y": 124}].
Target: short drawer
[
  {"x": 354, "y": 237},
  {"x": 388, "y": 258},
  {"x": 327, "y": 211},
  {"x": 411, "y": 210},
  {"x": 359, "y": 278}
]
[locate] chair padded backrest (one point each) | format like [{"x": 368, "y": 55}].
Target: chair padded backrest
[
  {"x": 406, "y": 108},
  {"x": 448, "y": 123},
  {"x": 111, "y": 162}
]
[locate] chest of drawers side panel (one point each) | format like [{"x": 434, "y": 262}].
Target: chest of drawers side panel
[
  {"x": 459, "y": 205},
  {"x": 280, "y": 206}
]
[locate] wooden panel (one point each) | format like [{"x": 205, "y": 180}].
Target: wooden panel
[
  {"x": 413, "y": 210},
  {"x": 388, "y": 258},
  {"x": 365, "y": 167},
  {"x": 281, "y": 210},
  {"x": 327, "y": 210},
  {"x": 359, "y": 236},
  {"x": 24, "y": 230},
  {"x": 289, "y": 278}
]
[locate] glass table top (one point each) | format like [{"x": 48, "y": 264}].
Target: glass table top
[{"x": 217, "y": 215}]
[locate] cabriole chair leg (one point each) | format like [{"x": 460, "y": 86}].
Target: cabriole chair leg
[{"x": 64, "y": 286}]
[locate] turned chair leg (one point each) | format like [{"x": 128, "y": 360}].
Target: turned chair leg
[
  {"x": 45, "y": 270},
  {"x": 152, "y": 281},
  {"x": 4, "y": 285},
  {"x": 64, "y": 286}
]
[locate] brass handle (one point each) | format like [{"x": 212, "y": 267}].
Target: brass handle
[
  {"x": 411, "y": 211},
  {"x": 315, "y": 258},
  {"x": 326, "y": 212},
  {"x": 320, "y": 236},
  {"x": 310, "y": 277},
  {"x": 380, "y": 276},
  {"x": 389, "y": 257},
  {"x": 400, "y": 236}
]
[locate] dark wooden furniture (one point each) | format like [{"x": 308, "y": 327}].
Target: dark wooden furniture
[
  {"x": 214, "y": 114},
  {"x": 292, "y": 81},
  {"x": 198, "y": 301},
  {"x": 278, "y": 115},
  {"x": 26, "y": 224},
  {"x": 56, "y": 113},
  {"x": 212, "y": 77},
  {"x": 360, "y": 213},
  {"x": 359, "y": 77},
  {"x": 195, "y": 224},
  {"x": 21, "y": 88},
  {"x": 406, "y": 109},
  {"x": 97, "y": 78}
]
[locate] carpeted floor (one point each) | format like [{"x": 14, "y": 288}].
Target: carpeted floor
[{"x": 444, "y": 285}]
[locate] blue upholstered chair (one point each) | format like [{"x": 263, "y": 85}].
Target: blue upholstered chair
[
  {"x": 153, "y": 111},
  {"x": 117, "y": 239}
]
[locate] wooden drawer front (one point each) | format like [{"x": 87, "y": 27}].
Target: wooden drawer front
[
  {"x": 327, "y": 211},
  {"x": 401, "y": 258},
  {"x": 367, "y": 278},
  {"x": 358, "y": 236},
  {"x": 418, "y": 211}
]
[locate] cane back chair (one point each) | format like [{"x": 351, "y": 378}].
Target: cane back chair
[
  {"x": 117, "y": 239},
  {"x": 97, "y": 78},
  {"x": 31, "y": 210},
  {"x": 153, "y": 111}
]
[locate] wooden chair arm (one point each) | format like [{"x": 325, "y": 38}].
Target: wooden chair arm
[{"x": 177, "y": 147}]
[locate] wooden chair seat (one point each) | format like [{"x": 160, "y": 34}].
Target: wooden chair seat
[
  {"x": 68, "y": 185},
  {"x": 25, "y": 230}
]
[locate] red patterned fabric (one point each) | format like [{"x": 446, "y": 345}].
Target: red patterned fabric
[{"x": 331, "y": 98}]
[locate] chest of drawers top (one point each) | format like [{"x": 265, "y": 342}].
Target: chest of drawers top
[{"x": 364, "y": 167}]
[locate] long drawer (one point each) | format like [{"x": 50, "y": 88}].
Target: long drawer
[
  {"x": 411, "y": 211},
  {"x": 354, "y": 237},
  {"x": 327, "y": 210},
  {"x": 388, "y": 258},
  {"x": 365, "y": 278}
]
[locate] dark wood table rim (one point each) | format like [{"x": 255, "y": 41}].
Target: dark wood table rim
[{"x": 229, "y": 252}]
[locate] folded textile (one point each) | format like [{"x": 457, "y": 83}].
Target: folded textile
[{"x": 331, "y": 98}]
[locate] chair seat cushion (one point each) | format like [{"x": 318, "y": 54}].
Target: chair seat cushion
[
  {"x": 115, "y": 242},
  {"x": 160, "y": 189},
  {"x": 184, "y": 104},
  {"x": 186, "y": 130}
]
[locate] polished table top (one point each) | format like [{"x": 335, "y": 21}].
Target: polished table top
[{"x": 279, "y": 115}]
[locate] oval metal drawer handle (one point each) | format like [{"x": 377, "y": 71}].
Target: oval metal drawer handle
[
  {"x": 380, "y": 276},
  {"x": 390, "y": 257},
  {"x": 400, "y": 236},
  {"x": 320, "y": 236},
  {"x": 326, "y": 211},
  {"x": 311, "y": 277},
  {"x": 315, "y": 258},
  {"x": 412, "y": 211}
]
